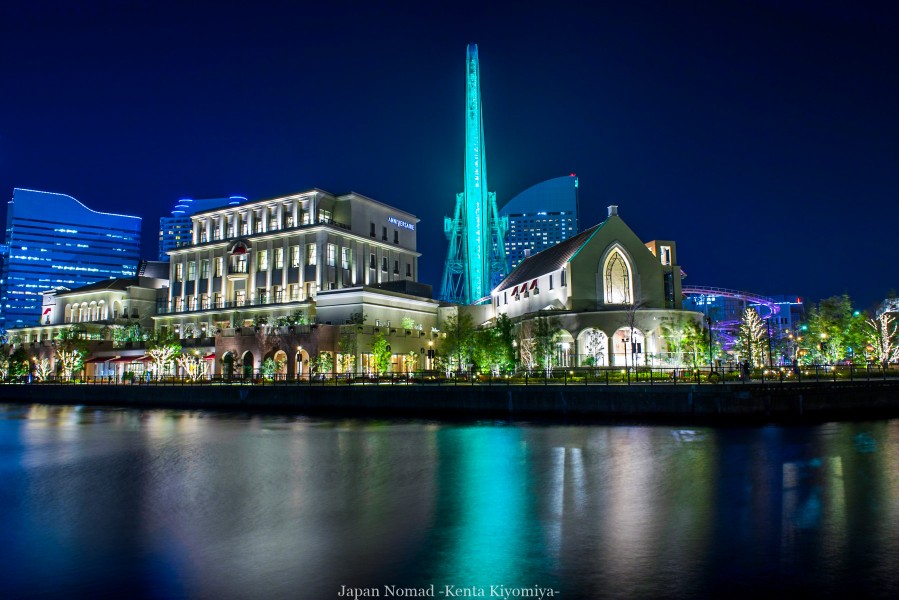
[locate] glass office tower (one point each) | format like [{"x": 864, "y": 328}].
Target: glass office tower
[
  {"x": 175, "y": 231},
  {"x": 539, "y": 217},
  {"x": 53, "y": 240}
]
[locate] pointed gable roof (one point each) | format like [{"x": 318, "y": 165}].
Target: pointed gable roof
[{"x": 551, "y": 259}]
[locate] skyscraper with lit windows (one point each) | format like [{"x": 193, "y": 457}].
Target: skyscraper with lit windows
[
  {"x": 540, "y": 217},
  {"x": 176, "y": 231},
  {"x": 53, "y": 240}
]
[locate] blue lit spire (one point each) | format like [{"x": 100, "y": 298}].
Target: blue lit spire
[{"x": 476, "y": 258}]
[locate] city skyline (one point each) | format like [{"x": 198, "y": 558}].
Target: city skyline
[{"x": 747, "y": 133}]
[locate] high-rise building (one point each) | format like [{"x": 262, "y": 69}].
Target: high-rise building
[
  {"x": 476, "y": 258},
  {"x": 175, "y": 231},
  {"x": 53, "y": 241},
  {"x": 540, "y": 217}
]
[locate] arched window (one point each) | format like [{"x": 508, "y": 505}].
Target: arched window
[{"x": 618, "y": 284}]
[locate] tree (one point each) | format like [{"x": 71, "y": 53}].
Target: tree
[
  {"x": 42, "y": 368},
  {"x": 270, "y": 367},
  {"x": 594, "y": 347},
  {"x": 380, "y": 354},
  {"x": 162, "y": 347},
  {"x": 835, "y": 330},
  {"x": 323, "y": 363},
  {"x": 526, "y": 345},
  {"x": 546, "y": 336},
  {"x": 458, "y": 341},
  {"x": 753, "y": 342},
  {"x": 882, "y": 336},
  {"x": 18, "y": 362},
  {"x": 70, "y": 351},
  {"x": 193, "y": 365},
  {"x": 347, "y": 347}
]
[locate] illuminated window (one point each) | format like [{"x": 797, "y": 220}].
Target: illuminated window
[
  {"x": 345, "y": 257},
  {"x": 204, "y": 268},
  {"x": 310, "y": 254},
  {"x": 332, "y": 255},
  {"x": 262, "y": 260},
  {"x": 219, "y": 266},
  {"x": 179, "y": 271},
  {"x": 294, "y": 256},
  {"x": 191, "y": 270},
  {"x": 279, "y": 258},
  {"x": 618, "y": 288}
]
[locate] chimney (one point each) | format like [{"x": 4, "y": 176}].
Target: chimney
[{"x": 613, "y": 210}]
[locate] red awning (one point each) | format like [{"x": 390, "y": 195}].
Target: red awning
[
  {"x": 209, "y": 356},
  {"x": 131, "y": 359},
  {"x": 99, "y": 359},
  {"x": 514, "y": 290},
  {"x": 533, "y": 284}
]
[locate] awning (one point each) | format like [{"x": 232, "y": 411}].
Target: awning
[
  {"x": 131, "y": 359},
  {"x": 533, "y": 284},
  {"x": 514, "y": 290},
  {"x": 98, "y": 359},
  {"x": 209, "y": 356}
]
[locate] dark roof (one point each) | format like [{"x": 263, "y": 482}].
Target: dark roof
[
  {"x": 107, "y": 284},
  {"x": 156, "y": 269},
  {"x": 551, "y": 259}
]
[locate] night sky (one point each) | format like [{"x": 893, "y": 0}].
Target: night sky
[{"x": 763, "y": 137}]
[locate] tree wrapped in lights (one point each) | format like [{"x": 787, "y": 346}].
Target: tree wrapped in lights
[
  {"x": 70, "y": 351},
  {"x": 193, "y": 365},
  {"x": 752, "y": 338},
  {"x": 42, "y": 368},
  {"x": 163, "y": 347},
  {"x": 882, "y": 336}
]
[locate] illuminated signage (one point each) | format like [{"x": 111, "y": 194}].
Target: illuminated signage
[{"x": 401, "y": 223}]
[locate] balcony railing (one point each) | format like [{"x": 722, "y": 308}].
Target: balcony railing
[
  {"x": 246, "y": 232},
  {"x": 257, "y": 300}
]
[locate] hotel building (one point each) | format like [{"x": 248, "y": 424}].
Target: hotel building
[
  {"x": 54, "y": 241},
  {"x": 177, "y": 230},
  {"x": 540, "y": 217}
]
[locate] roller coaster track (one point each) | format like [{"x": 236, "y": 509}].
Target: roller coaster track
[{"x": 727, "y": 328}]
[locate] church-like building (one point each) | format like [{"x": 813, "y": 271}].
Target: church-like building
[{"x": 609, "y": 295}]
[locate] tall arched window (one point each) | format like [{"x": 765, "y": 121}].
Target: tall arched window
[{"x": 618, "y": 288}]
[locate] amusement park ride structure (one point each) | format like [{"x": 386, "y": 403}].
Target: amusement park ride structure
[
  {"x": 727, "y": 329},
  {"x": 476, "y": 257}
]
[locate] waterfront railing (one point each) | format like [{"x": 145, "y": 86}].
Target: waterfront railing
[{"x": 595, "y": 376}]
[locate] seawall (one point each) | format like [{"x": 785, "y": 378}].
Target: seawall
[{"x": 735, "y": 402}]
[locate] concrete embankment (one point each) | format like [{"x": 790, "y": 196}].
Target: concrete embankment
[{"x": 749, "y": 402}]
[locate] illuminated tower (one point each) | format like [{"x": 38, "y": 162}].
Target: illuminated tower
[{"x": 476, "y": 258}]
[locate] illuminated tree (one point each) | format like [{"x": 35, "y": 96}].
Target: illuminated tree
[
  {"x": 882, "y": 336},
  {"x": 163, "y": 347},
  {"x": 546, "y": 336},
  {"x": 42, "y": 368},
  {"x": 753, "y": 338},
  {"x": 458, "y": 341},
  {"x": 192, "y": 364},
  {"x": 70, "y": 351},
  {"x": 270, "y": 366},
  {"x": 380, "y": 354},
  {"x": 594, "y": 347}
]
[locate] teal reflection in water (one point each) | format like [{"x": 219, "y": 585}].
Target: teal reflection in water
[
  {"x": 490, "y": 531},
  {"x": 173, "y": 504}
]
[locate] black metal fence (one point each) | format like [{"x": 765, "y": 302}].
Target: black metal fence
[{"x": 576, "y": 376}]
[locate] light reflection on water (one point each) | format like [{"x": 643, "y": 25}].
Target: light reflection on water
[{"x": 178, "y": 504}]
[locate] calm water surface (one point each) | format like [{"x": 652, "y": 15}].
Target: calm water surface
[{"x": 178, "y": 504}]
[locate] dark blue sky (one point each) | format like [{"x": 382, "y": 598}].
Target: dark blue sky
[{"x": 762, "y": 136}]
